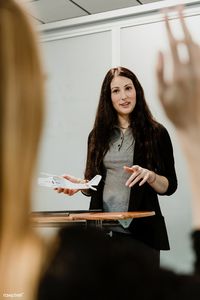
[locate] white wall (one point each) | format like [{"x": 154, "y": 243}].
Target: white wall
[{"x": 76, "y": 60}]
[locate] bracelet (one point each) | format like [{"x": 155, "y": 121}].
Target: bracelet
[{"x": 153, "y": 179}]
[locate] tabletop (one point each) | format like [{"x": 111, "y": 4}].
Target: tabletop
[{"x": 61, "y": 218}]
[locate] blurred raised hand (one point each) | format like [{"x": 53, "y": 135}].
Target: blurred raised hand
[{"x": 180, "y": 97}]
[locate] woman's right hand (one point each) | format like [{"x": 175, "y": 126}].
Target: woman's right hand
[{"x": 70, "y": 192}]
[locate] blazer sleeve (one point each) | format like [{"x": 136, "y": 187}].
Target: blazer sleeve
[{"x": 167, "y": 157}]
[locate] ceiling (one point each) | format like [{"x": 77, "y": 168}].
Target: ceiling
[{"x": 48, "y": 11}]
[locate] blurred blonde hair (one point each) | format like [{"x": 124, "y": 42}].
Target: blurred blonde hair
[{"x": 21, "y": 118}]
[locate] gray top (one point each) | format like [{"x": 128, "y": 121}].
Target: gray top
[{"x": 116, "y": 194}]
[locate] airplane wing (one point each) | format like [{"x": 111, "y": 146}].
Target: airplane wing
[{"x": 58, "y": 181}]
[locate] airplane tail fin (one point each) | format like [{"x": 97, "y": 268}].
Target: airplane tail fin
[{"x": 95, "y": 180}]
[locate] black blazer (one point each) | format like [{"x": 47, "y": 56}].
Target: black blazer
[{"x": 150, "y": 230}]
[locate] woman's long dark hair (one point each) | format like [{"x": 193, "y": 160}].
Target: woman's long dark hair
[{"x": 141, "y": 122}]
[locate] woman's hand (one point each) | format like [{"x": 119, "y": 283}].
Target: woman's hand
[
  {"x": 73, "y": 179},
  {"x": 139, "y": 174}
]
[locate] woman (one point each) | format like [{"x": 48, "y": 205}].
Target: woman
[
  {"x": 21, "y": 118},
  {"x": 127, "y": 140}
]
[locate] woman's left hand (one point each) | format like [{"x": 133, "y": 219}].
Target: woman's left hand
[{"x": 139, "y": 174}]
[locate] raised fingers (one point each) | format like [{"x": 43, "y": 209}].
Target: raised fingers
[
  {"x": 187, "y": 35},
  {"x": 192, "y": 47},
  {"x": 173, "y": 43},
  {"x": 161, "y": 84}
]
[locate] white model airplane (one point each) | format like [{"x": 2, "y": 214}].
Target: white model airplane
[{"x": 55, "y": 181}]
